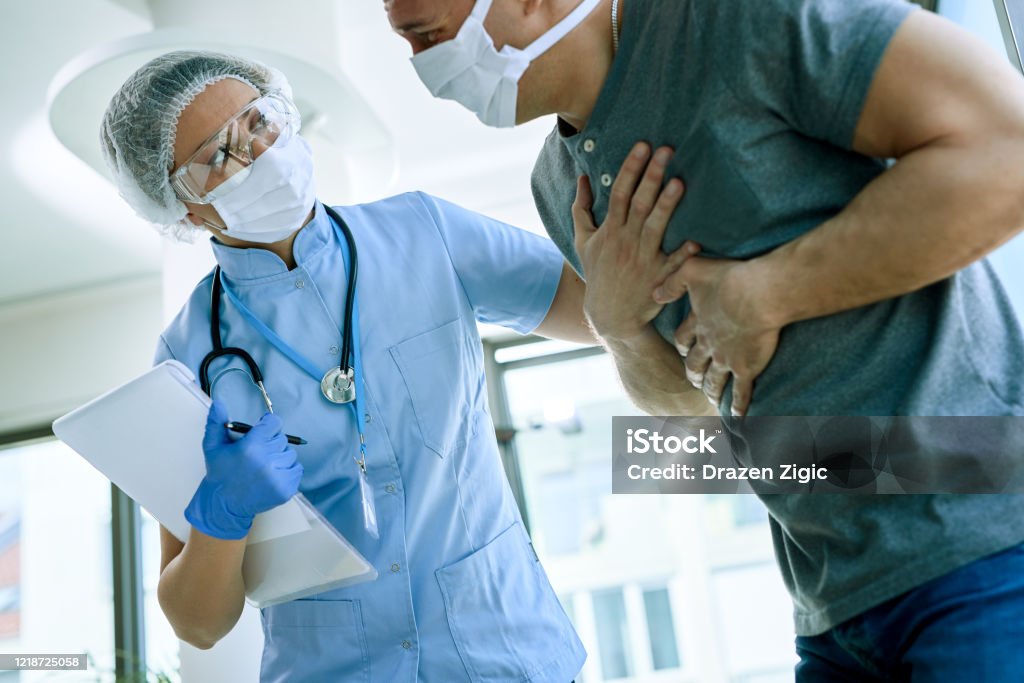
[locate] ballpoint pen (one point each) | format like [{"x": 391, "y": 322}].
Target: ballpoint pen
[{"x": 243, "y": 428}]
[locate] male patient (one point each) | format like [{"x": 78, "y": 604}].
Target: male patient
[{"x": 839, "y": 282}]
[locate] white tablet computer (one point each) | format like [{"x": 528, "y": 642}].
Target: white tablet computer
[{"x": 146, "y": 437}]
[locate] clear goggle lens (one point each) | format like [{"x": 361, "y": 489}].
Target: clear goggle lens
[{"x": 223, "y": 162}]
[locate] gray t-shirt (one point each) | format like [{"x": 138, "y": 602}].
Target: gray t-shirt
[{"x": 761, "y": 99}]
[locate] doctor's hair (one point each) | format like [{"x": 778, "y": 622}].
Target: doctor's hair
[{"x": 139, "y": 127}]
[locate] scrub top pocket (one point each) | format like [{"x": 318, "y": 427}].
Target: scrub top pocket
[
  {"x": 438, "y": 370},
  {"x": 314, "y": 640},
  {"x": 505, "y": 619}
]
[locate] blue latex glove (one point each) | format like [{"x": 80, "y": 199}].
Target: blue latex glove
[{"x": 244, "y": 477}]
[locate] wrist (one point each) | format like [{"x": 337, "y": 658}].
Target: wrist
[
  {"x": 626, "y": 340},
  {"x": 764, "y": 300},
  {"x": 209, "y": 513},
  {"x": 632, "y": 344},
  {"x": 611, "y": 334}
]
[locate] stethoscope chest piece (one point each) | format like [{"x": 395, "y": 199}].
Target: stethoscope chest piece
[{"x": 339, "y": 386}]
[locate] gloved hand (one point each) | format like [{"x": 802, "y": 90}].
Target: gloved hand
[{"x": 243, "y": 477}]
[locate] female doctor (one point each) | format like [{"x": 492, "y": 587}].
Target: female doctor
[{"x": 409, "y": 470}]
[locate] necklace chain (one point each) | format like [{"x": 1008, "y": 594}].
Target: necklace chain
[{"x": 615, "y": 25}]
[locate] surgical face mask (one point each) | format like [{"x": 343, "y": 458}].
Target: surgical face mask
[
  {"x": 470, "y": 71},
  {"x": 275, "y": 199}
]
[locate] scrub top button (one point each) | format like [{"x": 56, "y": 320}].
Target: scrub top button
[
  {"x": 606, "y": 179},
  {"x": 299, "y": 284},
  {"x": 368, "y": 418},
  {"x": 395, "y": 567},
  {"x": 334, "y": 350},
  {"x": 589, "y": 145},
  {"x": 390, "y": 488},
  {"x": 406, "y": 644}
]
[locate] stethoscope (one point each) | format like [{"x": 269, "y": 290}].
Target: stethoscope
[{"x": 338, "y": 384}]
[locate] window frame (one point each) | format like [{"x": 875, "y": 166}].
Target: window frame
[{"x": 126, "y": 564}]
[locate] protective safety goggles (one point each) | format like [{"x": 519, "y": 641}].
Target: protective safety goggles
[{"x": 224, "y": 160}]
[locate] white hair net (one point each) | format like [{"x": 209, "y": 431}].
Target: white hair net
[{"x": 139, "y": 126}]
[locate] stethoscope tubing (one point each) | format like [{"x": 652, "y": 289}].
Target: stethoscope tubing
[{"x": 221, "y": 351}]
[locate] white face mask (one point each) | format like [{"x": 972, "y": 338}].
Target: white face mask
[
  {"x": 275, "y": 199},
  {"x": 470, "y": 71}
]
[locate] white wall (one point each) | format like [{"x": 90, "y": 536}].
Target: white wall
[{"x": 59, "y": 351}]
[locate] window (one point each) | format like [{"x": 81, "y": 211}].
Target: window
[
  {"x": 612, "y": 634},
  {"x": 56, "y": 593},
  {"x": 661, "y": 629},
  {"x": 750, "y": 618},
  {"x": 56, "y": 567},
  {"x": 742, "y": 510},
  {"x": 10, "y": 574},
  {"x": 637, "y": 573},
  {"x": 162, "y": 646}
]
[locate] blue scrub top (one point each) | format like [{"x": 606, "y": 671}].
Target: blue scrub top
[{"x": 461, "y": 595}]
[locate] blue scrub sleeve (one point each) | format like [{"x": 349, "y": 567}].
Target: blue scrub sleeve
[{"x": 510, "y": 275}]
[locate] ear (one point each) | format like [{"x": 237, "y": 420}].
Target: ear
[{"x": 194, "y": 219}]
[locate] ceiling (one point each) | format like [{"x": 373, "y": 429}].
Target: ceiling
[{"x": 64, "y": 226}]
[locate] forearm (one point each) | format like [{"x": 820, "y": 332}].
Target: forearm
[
  {"x": 653, "y": 375},
  {"x": 565, "y": 318},
  {"x": 938, "y": 210},
  {"x": 201, "y": 590}
]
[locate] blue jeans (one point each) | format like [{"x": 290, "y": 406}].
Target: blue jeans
[{"x": 966, "y": 626}]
